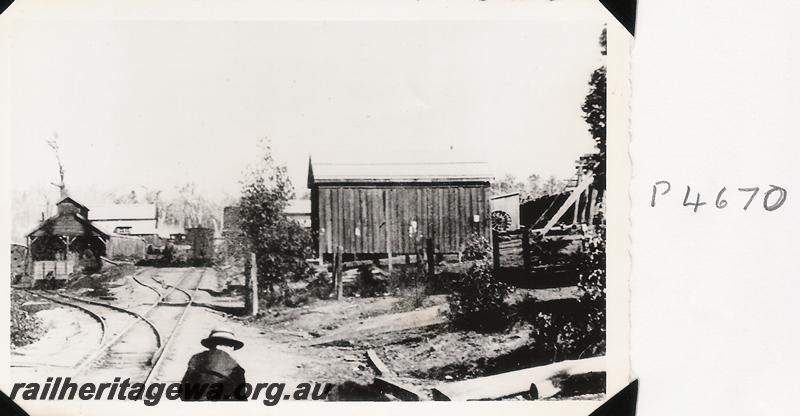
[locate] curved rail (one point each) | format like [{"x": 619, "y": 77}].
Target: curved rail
[
  {"x": 165, "y": 284},
  {"x": 96, "y": 317},
  {"x": 153, "y": 288},
  {"x": 162, "y": 344},
  {"x": 103, "y": 347},
  {"x": 139, "y": 317},
  {"x": 136, "y": 315},
  {"x": 159, "y": 355}
]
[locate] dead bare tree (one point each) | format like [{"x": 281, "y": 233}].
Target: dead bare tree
[{"x": 62, "y": 187}]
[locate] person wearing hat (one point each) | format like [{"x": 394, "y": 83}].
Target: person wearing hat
[{"x": 214, "y": 368}]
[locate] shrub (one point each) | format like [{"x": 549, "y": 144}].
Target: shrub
[
  {"x": 580, "y": 331},
  {"x": 477, "y": 248},
  {"x": 321, "y": 286},
  {"x": 412, "y": 285},
  {"x": 25, "y": 327},
  {"x": 371, "y": 281},
  {"x": 477, "y": 299}
]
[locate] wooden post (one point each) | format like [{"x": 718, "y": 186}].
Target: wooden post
[
  {"x": 388, "y": 231},
  {"x": 526, "y": 249},
  {"x": 337, "y": 263},
  {"x": 495, "y": 250},
  {"x": 251, "y": 285},
  {"x": 248, "y": 299},
  {"x": 431, "y": 256},
  {"x": 589, "y": 203},
  {"x": 575, "y": 213}
]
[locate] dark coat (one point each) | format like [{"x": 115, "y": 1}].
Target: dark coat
[{"x": 212, "y": 367}]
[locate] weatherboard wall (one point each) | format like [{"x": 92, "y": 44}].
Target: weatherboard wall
[{"x": 398, "y": 218}]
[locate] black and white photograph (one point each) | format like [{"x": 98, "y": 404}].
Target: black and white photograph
[{"x": 279, "y": 210}]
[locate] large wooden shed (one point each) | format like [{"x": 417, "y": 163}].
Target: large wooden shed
[{"x": 390, "y": 208}]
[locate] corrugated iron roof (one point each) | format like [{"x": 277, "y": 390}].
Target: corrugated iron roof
[
  {"x": 138, "y": 227},
  {"x": 298, "y": 206},
  {"x": 423, "y": 168},
  {"x": 79, "y": 217},
  {"x": 123, "y": 212},
  {"x": 501, "y": 196}
]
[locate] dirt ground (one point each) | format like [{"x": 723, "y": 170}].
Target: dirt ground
[
  {"x": 416, "y": 344},
  {"x": 47, "y": 356},
  {"x": 324, "y": 341}
]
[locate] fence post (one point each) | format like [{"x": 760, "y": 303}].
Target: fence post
[
  {"x": 254, "y": 283},
  {"x": 526, "y": 248},
  {"x": 337, "y": 263},
  {"x": 495, "y": 249},
  {"x": 431, "y": 257}
]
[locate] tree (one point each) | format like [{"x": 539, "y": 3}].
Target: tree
[
  {"x": 129, "y": 198},
  {"x": 532, "y": 188},
  {"x": 506, "y": 185},
  {"x": 188, "y": 208},
  {"x": 594, "y": 112},
  {"x": 62, "y": 187},
  {"x": 553, "y": 186},
  {"x": 280, "y": 244}
]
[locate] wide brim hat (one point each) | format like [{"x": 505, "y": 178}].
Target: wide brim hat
[{"x": 221, "y": 337}]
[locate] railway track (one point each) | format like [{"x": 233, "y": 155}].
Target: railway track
[
  {"x": 133, "y": 345},
  {"x": 172, "y": 312},
  {"x": 59, "y": 361}
]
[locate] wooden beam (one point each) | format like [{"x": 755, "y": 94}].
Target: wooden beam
[
  {"x": 526, "y": 249},
  {"x": 573, "y": 197},
  {"x": 377, "y": 364},
  {"x": 401, "y": 321},
  {"x": 517, "y": 382},
  {"x": 396, "y": 389}
]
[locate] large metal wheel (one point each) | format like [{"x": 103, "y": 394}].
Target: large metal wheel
[{"x": 501, "y": 221}]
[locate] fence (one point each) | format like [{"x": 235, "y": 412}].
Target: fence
[
  {"x": 525, "y": 252},
  {"x": 510, "y": 249},
  {"x": 126, "y": 247},
  {"x": 58, "y": 269}
]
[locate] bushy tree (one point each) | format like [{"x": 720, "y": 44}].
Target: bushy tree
[
  {"x": 594, "y": 112},
  {"x": 477, "y": 299},
  {"x": 281, "y": 245},
  {"x": 580, "y": 330}
]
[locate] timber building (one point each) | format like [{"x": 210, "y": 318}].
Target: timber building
[{"x": 390, "y": 208}]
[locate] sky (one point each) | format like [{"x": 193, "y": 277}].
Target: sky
[{"x": 159, "y": 104}]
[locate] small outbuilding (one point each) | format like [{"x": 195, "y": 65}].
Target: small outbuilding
[
  {"x": 505, "y": 212},
  {"x": 60, "y": 243},
  {"x": 66, "y": 234},
  {"x": 299, "y": 210},
  {"x": 389, "y": 208}
]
